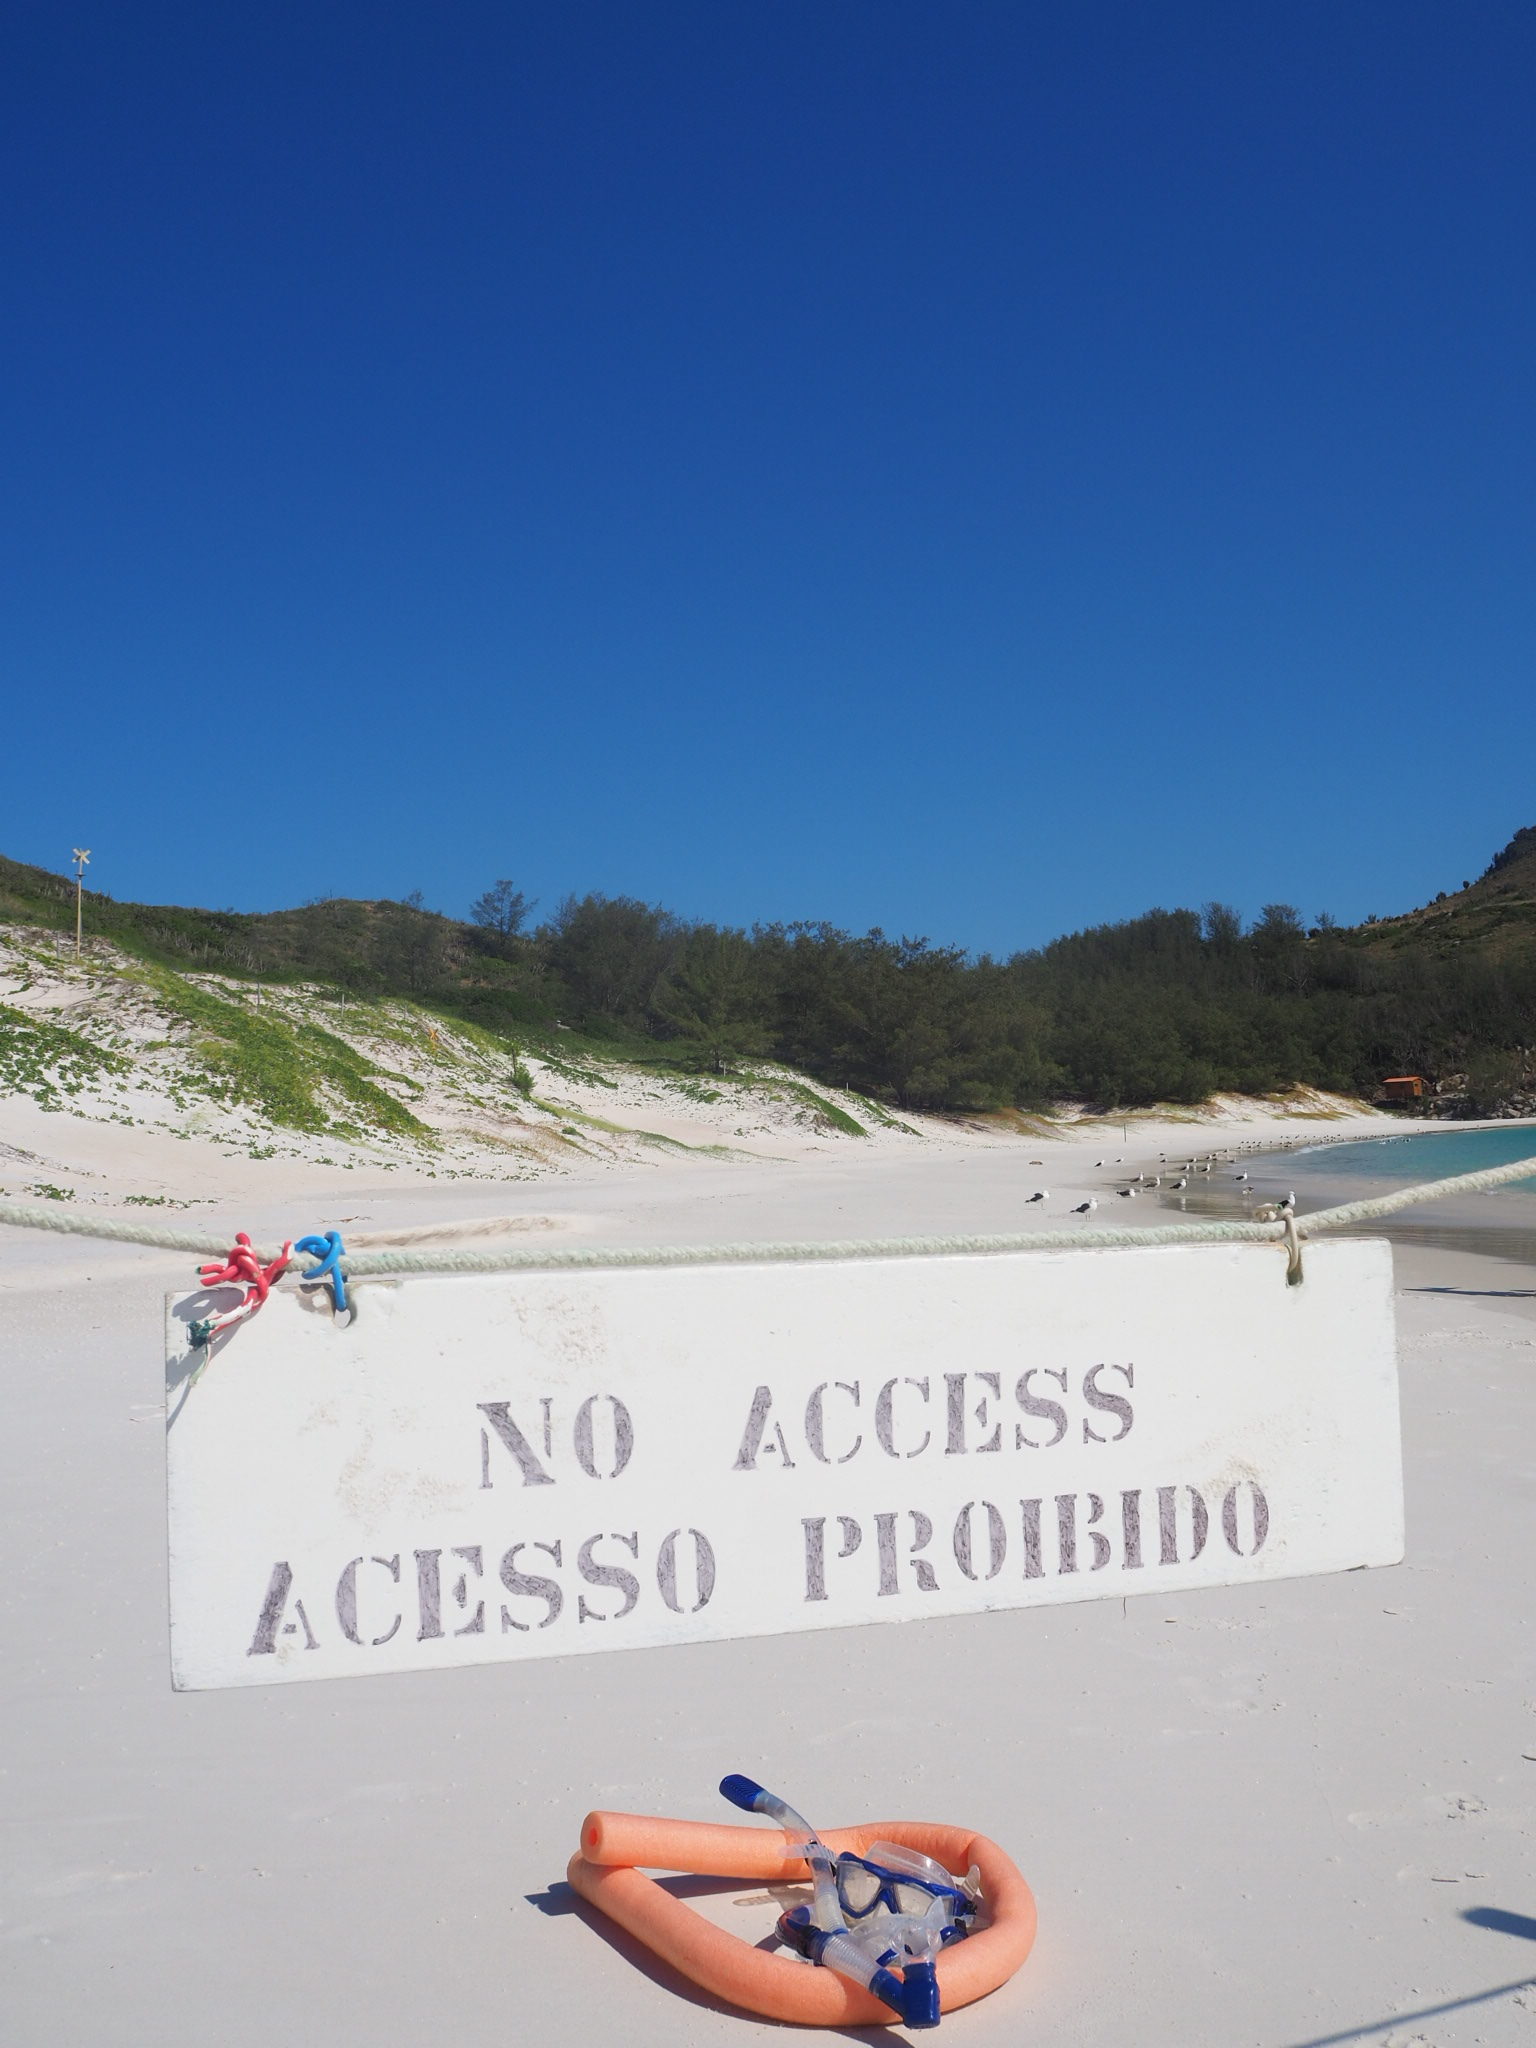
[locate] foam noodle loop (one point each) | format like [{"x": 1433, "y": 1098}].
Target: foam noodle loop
[{"x": 618, "y": 1848}]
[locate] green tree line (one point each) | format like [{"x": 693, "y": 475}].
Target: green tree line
[{"x": 1172, "y": 1006}]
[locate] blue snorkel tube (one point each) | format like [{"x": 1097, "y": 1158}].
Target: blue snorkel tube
[
  {"x": 825, "y": 1913},
  {"x": 862, "y": 1953}
]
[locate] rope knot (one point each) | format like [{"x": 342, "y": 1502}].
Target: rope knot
[
  {"x": 1285, "y": 1212},
  {"x": 1293, "y": 1273},
  {"x": 329, "y": 1250},
  {"x": 239, "y": 1268}
]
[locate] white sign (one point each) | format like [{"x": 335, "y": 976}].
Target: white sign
[{"x": 538, "y": 1464}]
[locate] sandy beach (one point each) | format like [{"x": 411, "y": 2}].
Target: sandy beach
[{"x": 1289, "y": 1816}]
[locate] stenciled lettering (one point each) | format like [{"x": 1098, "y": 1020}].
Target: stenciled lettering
[
  {"x": 1057, "y": 1404},
  {"x": 816, "y": 1421},
  {"x": 703, "y": 1570},
  {"x": 959, "y": 1411},
  {"x": 1067, "y": 1531},
  {"x": 346, "y": 1601},
  {"x": 523, "y": 1585},
  {"x": 885, "y": 1427},
  {"x": 756, "y": 1429},
  {"x": 1062, "y": 1535},
  {"x": 1040, "y": 1408},
  {"x": 1108, "y": 1403},
  {"x": 499, "y": 1415},
  {"x": 272, "y": 1621},
  {"x": 1130, "y": 1529},
  {"x": 621, "y": 1431},
  {"x": 885, "y": 1547},
  {"x": 613, "y": 1575},
  {"x": 965, "y": 1540},
  {"x": 1258, "y": 1518},
  {"x": 1168, "y": 1523},
  {"x": 617, "y": 1432},
  {"x": 814, "y": 1528}
]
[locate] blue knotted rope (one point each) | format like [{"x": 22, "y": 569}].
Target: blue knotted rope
[{"x": 330, "y": 1251}]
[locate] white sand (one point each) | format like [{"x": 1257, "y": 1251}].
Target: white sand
[{"x": 1254, "y": 1816}]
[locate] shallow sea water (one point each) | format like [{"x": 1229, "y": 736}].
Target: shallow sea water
[
  {"x": 1500, "y": 1224},
  {"x": 1421, "y": 1155}
]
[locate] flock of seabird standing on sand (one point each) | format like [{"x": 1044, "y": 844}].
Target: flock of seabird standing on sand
[{"x": 1179, "y": 1175}]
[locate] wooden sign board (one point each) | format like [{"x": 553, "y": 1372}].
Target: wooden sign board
[{"x": 544, "y": 1463}]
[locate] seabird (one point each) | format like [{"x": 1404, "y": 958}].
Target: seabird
[
  {"x": 1239, "y": 1176},
  {"x": 1178, "y": 1183},
  {"x": 1040, "y": 1195},
  {"x": 1083, "y": 1208}
]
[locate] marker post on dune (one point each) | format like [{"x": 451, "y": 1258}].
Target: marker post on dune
[
  {"x": 549, "y": 1463},
  {"x": 82, "y": 857}
]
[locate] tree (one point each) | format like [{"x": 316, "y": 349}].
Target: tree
[
  {"x": 503, "y": 909},
  {"x": 610, "y": 951},
  {"x": 1279, "y": 924},
  {"x": 713, "y": 998}
]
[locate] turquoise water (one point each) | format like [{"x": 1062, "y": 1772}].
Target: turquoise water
[
  {"x": 1423, "y": 1155},
  {"x": 1500, "y": 1225}
]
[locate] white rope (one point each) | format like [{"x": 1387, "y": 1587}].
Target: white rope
[
  {"x": 113, "y": 1229},
  {"x": 566, "y": 1258}
]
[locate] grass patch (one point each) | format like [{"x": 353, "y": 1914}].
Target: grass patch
[
  {"x": 47, "y": 1061},
  {"x": 826, "y": 1112},
  {"x": 878, "y": 1114},
  {"x": 695, "y": 1091},
  {"x": 572, "y": 1121},
  {"x": 276, "y": 1067}
]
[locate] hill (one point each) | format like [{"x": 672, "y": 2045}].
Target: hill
[
  {"x": 1175, "y": 1006},
  {"x": 303, "y": 1072},
  {"x": 1493, "y": 918}
]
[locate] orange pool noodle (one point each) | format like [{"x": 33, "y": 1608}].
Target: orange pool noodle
[{"x": 777, "y": 1986}]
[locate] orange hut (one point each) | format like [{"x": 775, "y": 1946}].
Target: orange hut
[{"x": 1403, "y": 1088}]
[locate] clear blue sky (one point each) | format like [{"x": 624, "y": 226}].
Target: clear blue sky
[{"x": 976, "y": 468}]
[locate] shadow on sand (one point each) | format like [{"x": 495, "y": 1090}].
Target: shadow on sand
[
  {"x": 186, "y": 1368},
  {"x": 1494, "y": 1293},
  {"x": 560, "y": 1899},
  {"x": 1497, "y": 1921}
]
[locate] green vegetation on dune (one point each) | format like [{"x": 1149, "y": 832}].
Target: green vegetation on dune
[
  {"x": 1173, "y": 1006},
  {"x": 278, "y": 1067},
  {"x": 828, "y": 1112},
  {"x": 48, "y": 1061}
]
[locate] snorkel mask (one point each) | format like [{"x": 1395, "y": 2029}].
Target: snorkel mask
[
  {"x": 870, "y": 1916},
  {"x": 904, "y": 1881}
]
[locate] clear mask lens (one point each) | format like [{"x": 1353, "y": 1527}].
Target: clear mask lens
[
  {"x": 860, "y": 1888},
  {"x": 913, "y": 1899}
]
